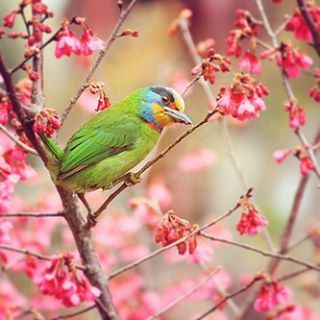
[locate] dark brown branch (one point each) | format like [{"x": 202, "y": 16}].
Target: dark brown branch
[
  {"x": 33, "y": 215},
  {"x": 113, "y": 36},
  {"x": 311, "y": 24}
]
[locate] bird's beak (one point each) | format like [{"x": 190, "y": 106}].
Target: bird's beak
[{"x": 177, "y": 116}]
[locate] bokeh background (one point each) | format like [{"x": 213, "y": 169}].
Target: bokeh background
[{"x": 198, "y": 196}]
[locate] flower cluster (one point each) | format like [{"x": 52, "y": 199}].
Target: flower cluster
[
  {"x": 63, "y": 281},
  {"x": 246, "y": 27},
  {"x": 68, "y": 43},
  {"x": 243, "y": 99},
  {"x": 297, "y": 117},
  {"x": 47, "y": 121},
  {"x": 250, "y": 63},
  {"x": 209, "y": 66},
  {"x": 271, "y": 295},
  {"x": 297, "y": 23},
  {"x": 251, "y": 221},
  {"x": 103, "y": 101},
  {"x": 292, "y": 60},
  {"x": 172, "y": 228}
]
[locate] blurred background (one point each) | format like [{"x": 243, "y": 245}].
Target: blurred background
[{"x": 205, "y": 191}]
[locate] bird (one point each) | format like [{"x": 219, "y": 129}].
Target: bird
[{"x": 103, "y": 150}]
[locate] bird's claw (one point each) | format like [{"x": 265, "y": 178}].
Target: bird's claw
[
  {"x": 91, "y": 220},
  {"x": 132, "y": 179}
]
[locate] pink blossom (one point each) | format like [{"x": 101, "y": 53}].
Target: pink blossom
[
  {"x": 197, "y": 160},
  {"x": 47, "y": 121},
  {"x": 298, "y": 25},
  {"x": 5, "y": 227},
  {"x": 242, "y": 100},
  {"x": 67, "y": 44},
  {"x": 250, "y": 63},
  {"x": 64, "y": 282},
  {"x": 251, "y": 222},
  {"x": 158, "y": 190},
  {"x": 271, "y": 294},
  {"x": 90, "y": 43},
  {"x": 146, "y": 210},
  {"x": 9, "y": 19},
  {"x": 172, "y": 228},
  {"x": 293, "y": 61},
  {"x": 297, "y": 117},
  {"x": 306, "y": 165},
  {"x": 315, "y": 92},
  {"x": 280, "y": 155}
]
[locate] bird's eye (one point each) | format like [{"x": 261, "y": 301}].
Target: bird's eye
[{"x": 165, "y": 99}]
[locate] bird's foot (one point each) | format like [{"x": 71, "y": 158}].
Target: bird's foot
[
  {"x": 91, "y": 220},
  {"x": 131, "y": 179}
]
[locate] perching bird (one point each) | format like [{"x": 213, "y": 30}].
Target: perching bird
[{"x": 115, "y": 140}]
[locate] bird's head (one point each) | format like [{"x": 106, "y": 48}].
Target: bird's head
[{"x": 162, "y": 106}]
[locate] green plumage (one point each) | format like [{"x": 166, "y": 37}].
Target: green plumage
[{"x": 108, "y": 145}]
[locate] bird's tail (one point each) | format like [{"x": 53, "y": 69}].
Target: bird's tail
[{"x": 53, "y": 153}]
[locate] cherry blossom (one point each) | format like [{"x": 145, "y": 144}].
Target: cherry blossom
[
  {"x": 297, "y": 116},
  {"x": 243, "y": 99},
  {"x": 172, "y": 228},
  {"x": 63, "y": 281},
  {"x": 293, "y": 61},
  {"x": 158, "y": 190},
  {"x": 280, "y": 155},
  {"x": 250, "y": 63},
  {"x": 47, "y": 121},
  {"x": 306, "y": 165},
  {"x": 90, "y": 43},
  {"x": 270, "y": 295},
  {"x": 197, "y": 160},
  {"x": 67, "y": 44},
  {"x": 251, "y": 222}
]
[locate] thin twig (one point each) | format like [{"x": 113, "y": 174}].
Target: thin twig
[
  {"x": 161, "y": 250},
  {"x": 229, "y": 296},
  {"x": 185, "y": 295},
  {"x": 33, "y": 215},
  {"x": 113, "y": 36},
  {"x": 17, "y": 140},
  {"x": 262, "y": 252},
  {"x": 294, "y": 274},
  {"x": 32, "y": 254},
  {"x": 74, "y": 314},
  {"x": 52, "y": 38}
]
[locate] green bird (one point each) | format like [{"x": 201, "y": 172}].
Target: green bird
[{"x": 115, "y": 140}]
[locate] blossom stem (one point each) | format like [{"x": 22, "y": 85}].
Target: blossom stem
[
  {"x": 17, "y": 140},
  {"x": 113, "y": 36},
  {"x": 74, "y": 314},
  {"x": 185, "y": 295},
  {"x": 229, "y": 296},
  {"x": 33, "y": 254},
  {"x": 262, "y": 252}
]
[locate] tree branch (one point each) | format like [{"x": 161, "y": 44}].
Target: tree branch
[
  {"x": 33, "y": 215},
  {"x": 184, "y": 296},
  {"x": 230, "y": 296},
  {"x": 113, "y": 36},
  {"x": 74, "y": 314},
  {"x": 262, "y": 252},
  {"x": 17, "y": 140}
]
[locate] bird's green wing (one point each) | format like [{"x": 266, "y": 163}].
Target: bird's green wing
[{"x": 90, "y": 145}]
